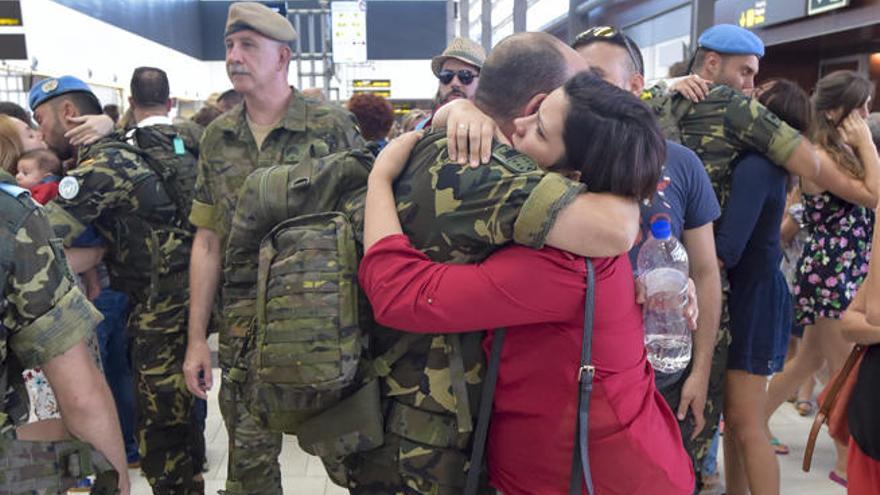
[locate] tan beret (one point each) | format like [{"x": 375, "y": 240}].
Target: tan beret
[{"x": 257, "y": 17}]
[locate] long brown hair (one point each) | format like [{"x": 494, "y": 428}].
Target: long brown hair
[
  {"x": 844, "y": 90},
  {"x": 10, "y": 144}
]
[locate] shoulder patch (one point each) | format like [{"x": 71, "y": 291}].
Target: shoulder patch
[
  {"x": 513, "y": 160},
  {"x": 68, "y": 188}
]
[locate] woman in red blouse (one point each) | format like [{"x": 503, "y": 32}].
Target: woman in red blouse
[{"x": 634, "y": 442}]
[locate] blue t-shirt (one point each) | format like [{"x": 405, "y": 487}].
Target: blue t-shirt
[
  {"x": 747, "y": 239},
  {"x": 684, "y": 196}
]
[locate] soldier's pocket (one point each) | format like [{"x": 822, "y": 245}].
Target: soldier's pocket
[
  {"x": 352, "y": 425},
  {"x": 428, "y": 446}
]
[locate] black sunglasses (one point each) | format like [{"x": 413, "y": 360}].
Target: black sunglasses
[
  {"x": 612, "y": 35},
  {"x": 465, "y": 76}
]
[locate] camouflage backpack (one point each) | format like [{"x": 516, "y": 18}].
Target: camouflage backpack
[
  {"x": 173, "y": 155},
  {"x": 291, "y": 260}
]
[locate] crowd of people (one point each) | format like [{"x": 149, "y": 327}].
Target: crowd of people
[{"x": 494, "y": 238}]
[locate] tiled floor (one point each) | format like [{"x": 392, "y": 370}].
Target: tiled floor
[{"x": 304, "y": 474}]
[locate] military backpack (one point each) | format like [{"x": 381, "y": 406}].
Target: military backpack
[
  {"x": 292, "y": 257},
  {"x": 173, "y": 156}
]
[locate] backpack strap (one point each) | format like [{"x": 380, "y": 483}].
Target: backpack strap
[
  {"x": 487, "y": 396},
  {"x": 580, "y": 471}
]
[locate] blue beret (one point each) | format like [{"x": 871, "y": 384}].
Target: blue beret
[
  {"x": 57, "y": 86},
  {"x": 731, "y": 39}
]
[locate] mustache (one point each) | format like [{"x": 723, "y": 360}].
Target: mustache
[
  {"x": 237, "y": 69},
  {"x": 454, "y": 92}
]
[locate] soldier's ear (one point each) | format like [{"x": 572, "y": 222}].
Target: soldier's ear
[{"x": 533, "y": 104}]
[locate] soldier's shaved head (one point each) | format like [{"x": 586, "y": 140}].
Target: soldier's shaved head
[{"x": 521, "y": 67}]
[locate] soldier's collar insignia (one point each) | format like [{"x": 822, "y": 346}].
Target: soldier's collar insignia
[
  {"x": 68, "y": 188},
  {"x": 50, "y": 85}
]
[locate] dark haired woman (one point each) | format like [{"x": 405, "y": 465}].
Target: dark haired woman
[
  {"x": 539, "y": 296},
  {"x": 835, "y": 259},
  {"x": 748, "y": 246}
]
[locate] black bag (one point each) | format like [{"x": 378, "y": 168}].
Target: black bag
[
  {"x": 864, "y": 405},
  {"x": 580, "y": 463}
]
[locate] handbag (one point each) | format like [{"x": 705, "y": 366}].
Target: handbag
[
  {"x": 580, "y": 470},
  {"x": 833, "y": 406}
]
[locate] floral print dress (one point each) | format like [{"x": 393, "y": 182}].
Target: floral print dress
[{"x": 835, "y": 257}]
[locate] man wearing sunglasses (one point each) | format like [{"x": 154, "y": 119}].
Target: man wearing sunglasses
[
  {"x": 685, "y": 197},
  {"x": 458, "y": 71}
]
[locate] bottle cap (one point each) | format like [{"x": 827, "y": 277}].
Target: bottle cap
[{"x": 661, "y": 229}]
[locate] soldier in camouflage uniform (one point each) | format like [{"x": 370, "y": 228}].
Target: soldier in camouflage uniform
[
  {"x": 275, "y": 125},
  {"x": 44, "y": 320},
  {"x": 718, "y": 128},
  {"x": 113, "y": 189},
  {"x": 459, "y": 214}
]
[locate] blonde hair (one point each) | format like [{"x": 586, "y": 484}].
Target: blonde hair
[{"x": 10, "y": 144}]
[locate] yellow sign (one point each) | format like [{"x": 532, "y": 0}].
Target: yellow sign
[
  {"x": 371, "y": 83},
  {"x": 383, "y": 94},
  {"x": 753, "y": 16}
]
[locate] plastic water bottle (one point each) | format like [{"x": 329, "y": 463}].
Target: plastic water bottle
[{"x": 663, "y": 270}]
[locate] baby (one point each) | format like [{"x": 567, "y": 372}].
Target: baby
[{"x": 39, "y": 171}]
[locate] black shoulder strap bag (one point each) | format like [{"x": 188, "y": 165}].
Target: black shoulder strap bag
[{"x": 580, "y": 464}]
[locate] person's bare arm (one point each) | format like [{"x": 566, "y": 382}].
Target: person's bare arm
[
  {"x": 789, "y": 228},
  {"x": 803, "y": 161},
  {"x": 854, "y": 324},
  {"x": 87, "y": 406},
  {"x": 596, "y": 224},
  {"x": 90, "y": 128},
  {"x": 204, "y": 278},
  {"x": 82, "y": 259},
  {"x": 871, "y": 285},
  {"x": 841, "y": 183},
  {"x": 700, "y": 246},
  {"x": 380, "y": 215}
]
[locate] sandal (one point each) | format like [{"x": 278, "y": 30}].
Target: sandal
[
  {"x": 804, "y": 407},
  {"x": 840, "y": 480},
  {"x": 778, "y": 447}
]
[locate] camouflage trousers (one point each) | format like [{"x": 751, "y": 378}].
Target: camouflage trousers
[
  {"x": 163, "y": 403},
  {"x": 402, "y": 467},
  {"x": 253, "y": 467},
  {"x": 698, "y": 447}
]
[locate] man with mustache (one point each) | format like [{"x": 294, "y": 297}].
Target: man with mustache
[
  {"x": 458, "y": 72},
  {"x": 275, "y": 125}
]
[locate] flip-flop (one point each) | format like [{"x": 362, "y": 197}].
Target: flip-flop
[
  {"x": 840, "y": 480},
  {"x": 804, "y": 407},
  {"x": 778, "y": 447}
]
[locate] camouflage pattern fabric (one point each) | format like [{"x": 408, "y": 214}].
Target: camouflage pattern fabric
[
  {"x": 721, "y": 127},
  {"x": 431, "y": 393},
  {"x": 43, "y": 315},
  {"x": 228, "y": 155},
  {"x": 303, "y": 293},
  {"x": 148, "y": 259}
]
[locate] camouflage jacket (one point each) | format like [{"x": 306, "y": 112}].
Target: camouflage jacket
[
  {"x": 721, "y": 127},
  {"x": 125, "y": 201},
  {"x": 229, "y": 153},
  {"x": 44, "y": 313}
]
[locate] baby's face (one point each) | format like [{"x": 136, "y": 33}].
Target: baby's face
[{"x": 29, "y": 173}]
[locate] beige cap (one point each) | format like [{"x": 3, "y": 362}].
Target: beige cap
[
  {"x": 257, "y": 17},
  {"x": 464, "y": 49}
]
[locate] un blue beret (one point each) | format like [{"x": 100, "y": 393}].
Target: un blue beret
[
  {"x": 50, "y": 88},
  {"x": 731, "y": 39}
]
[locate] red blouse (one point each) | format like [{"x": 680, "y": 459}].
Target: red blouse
[{"x": 634, "y": 440}]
